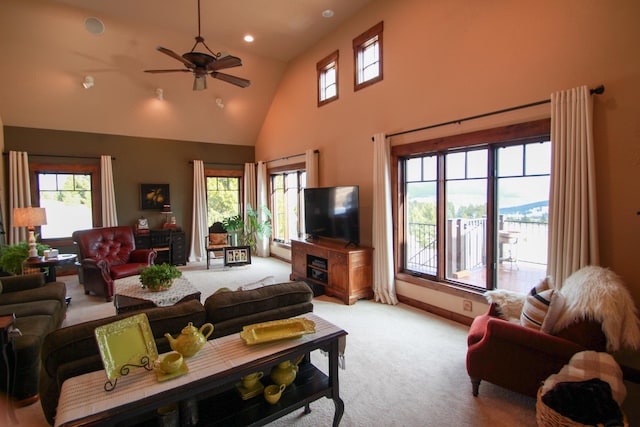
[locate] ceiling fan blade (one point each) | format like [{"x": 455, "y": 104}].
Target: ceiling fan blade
[
  {"x": 231, "y": 79},
  {"x": 168, "y": 71},
  {"x": 225, "y": 62},
  {"x": 175, "y": 56}
]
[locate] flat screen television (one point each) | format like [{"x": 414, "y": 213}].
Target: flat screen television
[{"x": 333, "y": 212}]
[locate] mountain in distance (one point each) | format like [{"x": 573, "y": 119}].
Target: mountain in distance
[{"x": 529, "y": 209}]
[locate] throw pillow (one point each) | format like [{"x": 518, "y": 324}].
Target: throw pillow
[
  {"x": 266, "y": 281},
  {"x": 542, "y": 307},
  {"x": 217, "y": 238}
]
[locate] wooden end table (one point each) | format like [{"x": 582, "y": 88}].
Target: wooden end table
[{"x": 50, "y": 264}]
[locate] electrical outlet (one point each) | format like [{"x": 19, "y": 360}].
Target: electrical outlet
[{"x": 467, "y": 305}]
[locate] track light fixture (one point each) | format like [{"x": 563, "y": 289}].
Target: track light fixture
[{"x": 88, "y": 82}]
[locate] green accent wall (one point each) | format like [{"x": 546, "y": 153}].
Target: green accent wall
[{"x": 136, "y": 161}]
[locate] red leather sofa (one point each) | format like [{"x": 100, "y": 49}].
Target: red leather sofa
[
  {"x": 519, "y": 358},
  {"x": 107, "y": 254}
]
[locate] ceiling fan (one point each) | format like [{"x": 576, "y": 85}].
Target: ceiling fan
[{"x": 201, "y": 64}]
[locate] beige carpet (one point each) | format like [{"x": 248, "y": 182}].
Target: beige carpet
[{"x": 404, "y": 367}]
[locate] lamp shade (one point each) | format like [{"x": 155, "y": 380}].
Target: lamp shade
[{"x": 29, "y": 217}]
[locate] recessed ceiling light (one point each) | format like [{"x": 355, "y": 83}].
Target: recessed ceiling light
[
  {"x": 248, "y": 38},
  {"x": 327, "y": 13},
  {"x": 94, "y": 25}
]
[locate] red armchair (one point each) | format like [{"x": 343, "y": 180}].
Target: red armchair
[
  {"x": 107, "y": 254},
  {"x": 520, "y": 358}
]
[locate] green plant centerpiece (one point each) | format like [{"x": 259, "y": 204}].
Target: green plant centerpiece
[
  {"x": 248, "y": 232},
  {"x": 159, "y": 277},
  {"x": 12, "y": 256}
]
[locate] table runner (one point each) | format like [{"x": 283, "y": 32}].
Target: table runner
[
  {"x": 84, "y": 395},
  {"x": 131, "y": 287}
]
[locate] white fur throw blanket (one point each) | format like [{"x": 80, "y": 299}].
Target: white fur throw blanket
[{"x": 597, "y": 293}]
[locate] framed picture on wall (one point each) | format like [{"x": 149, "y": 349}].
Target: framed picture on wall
[
  {"x": 237, "y": 255},
  {"x": 154, "y": 196}
]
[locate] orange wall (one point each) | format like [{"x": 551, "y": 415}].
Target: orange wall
[{"x": 449, "y": 59}]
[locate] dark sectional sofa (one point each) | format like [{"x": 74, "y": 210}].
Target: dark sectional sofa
[
  {"x": 73, "y": 350},
  {"x": 39, "y": 309}
]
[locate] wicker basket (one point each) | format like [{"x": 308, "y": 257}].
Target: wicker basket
[{"x": 547, "y": 417}]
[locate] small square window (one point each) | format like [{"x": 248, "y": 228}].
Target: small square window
[
  {"x": 367, "y": 57},
  {"x": 328, "y": 79}
]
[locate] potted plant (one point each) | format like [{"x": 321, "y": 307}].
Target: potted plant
[
  {"x": 234, "y": 225},
  {"x": 257, "y": 228},
  {"x": 159, "y": 277},
  {"x": 13, "y": 256},
  {"x": 248, "y": 233}
]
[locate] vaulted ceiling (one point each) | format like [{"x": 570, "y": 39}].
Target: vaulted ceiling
[{"x": 47, "y": 50}]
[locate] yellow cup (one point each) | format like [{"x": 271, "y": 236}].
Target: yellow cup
[
  {"x": 273, "y": 392},
  {"x": 171, "y": 363},
  {"x": 251, "y": 380}
]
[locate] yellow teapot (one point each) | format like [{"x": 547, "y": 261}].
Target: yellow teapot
[
  {"x": 191, "y": 339},
  {"x": 285, "y": 372}
]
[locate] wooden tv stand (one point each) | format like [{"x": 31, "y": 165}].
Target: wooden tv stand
[{"x": 344, "y": 272}]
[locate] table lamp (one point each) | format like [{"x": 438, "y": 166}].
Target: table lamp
[
  {"x": 30, "y": 217},
  {"x": 166, "y": 211}
]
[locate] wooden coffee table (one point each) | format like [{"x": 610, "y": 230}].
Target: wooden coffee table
[
  {"x": 129, "y": 297},
  {"x": 125, "y": 304}
]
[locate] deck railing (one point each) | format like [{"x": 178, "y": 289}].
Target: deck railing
[{"x": 466, "y": 244}]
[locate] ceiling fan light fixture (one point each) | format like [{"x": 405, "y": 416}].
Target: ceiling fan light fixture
[
  {"x": 88, "y": 83},
  {"x": 200, "y": 82}
]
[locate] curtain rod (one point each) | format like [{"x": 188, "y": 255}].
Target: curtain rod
[
  {"x": 289, "y": 157},
  {"x": 60, "y": 156},
  {"x": 219, "y": 163},
  {"x": 596, "y": 91}
]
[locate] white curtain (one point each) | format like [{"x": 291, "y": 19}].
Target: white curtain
[
  {"x": 199, "y": 226},
  {"x": 311, "y": 167},
  {"x": 573, "y": 237},
  {"x": 250, "y": 191},
  {"x": 109, "y": 212},
  {"x": 384, "y": 288},
  {"x": 262, "y": 242},
  {"x": 19, "y": 191}
]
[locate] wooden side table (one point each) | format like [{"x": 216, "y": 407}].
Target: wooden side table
[{"x": 50, "y": 264}]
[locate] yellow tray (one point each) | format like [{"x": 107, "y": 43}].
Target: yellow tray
[{"x": 277, "y": 330}]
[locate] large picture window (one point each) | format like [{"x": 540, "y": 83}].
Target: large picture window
[
  {"x": 224, "y": 195},
  {"x": 286, "y": 202},
  {"x": 474, "y": 208},
  {"x": 71, "y": 196}
]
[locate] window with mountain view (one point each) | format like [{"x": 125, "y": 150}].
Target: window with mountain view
[{"x": 475, "y": 214}]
